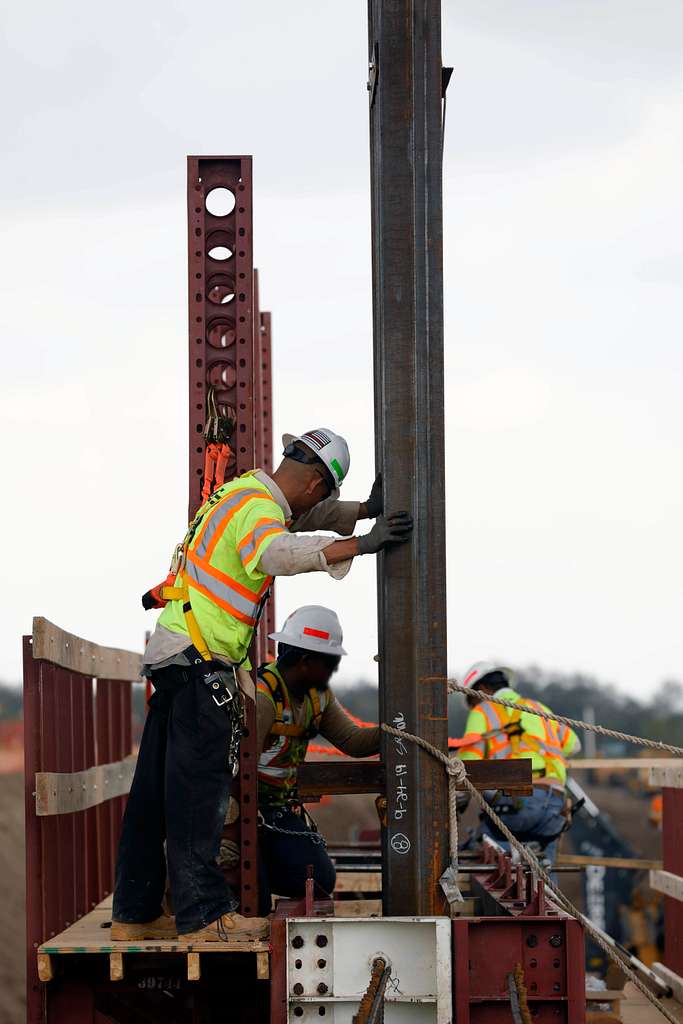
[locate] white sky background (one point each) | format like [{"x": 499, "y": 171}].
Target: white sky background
[{"x": 563, "y": 269}]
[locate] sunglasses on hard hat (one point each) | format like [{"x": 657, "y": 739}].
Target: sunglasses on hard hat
[{"x": 308, "y": 458}]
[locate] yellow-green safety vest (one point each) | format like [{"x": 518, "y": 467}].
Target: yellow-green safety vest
[
  {"x": 220, "y": 566},
  {"x": 287, "y": 743}
]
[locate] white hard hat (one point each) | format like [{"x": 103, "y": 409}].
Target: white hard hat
[
  {"x": 313, "y": 628},
  {"x": 476, "y": 673},
  {"x": 331, "y": 448}
]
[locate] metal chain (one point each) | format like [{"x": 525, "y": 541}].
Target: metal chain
[
  {"x": 455, "y": 687},
  {"x": 315, "y": 837},
  {"x": 537, "y": 868}
]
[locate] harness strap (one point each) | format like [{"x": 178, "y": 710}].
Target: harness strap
[
  {"x": 183, "y": 594},
  {"x": 279, "y": 726}
]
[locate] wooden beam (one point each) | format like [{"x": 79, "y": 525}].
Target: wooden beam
[
  {"x": 634, "y": 863},
  {"x": 358, "y": 881},
  {"x": 116, "y": 966},
  {"x": 667, "y": 775},
  {"x": 194, "y": 967},
  {"x": 667, "y": 883},
  {"x": 322, "y": 778},
  {"x": 263, "y": 966},
  {"x": 621, "y": 763},
  {"x": 50, "y": 643},
  {"x": 45, "y": 968},
  {"x": 66, "y": 792}
]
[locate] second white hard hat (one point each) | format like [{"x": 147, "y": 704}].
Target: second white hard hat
[
  {"x": 331, "y": 448},
  {"x": 312, "y": 628},
  {"x": 476, "y": 672}
]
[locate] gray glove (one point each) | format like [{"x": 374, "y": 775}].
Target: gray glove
[
  {"x": 394, "y": 528},
  {"x": 374, "y": 506}
]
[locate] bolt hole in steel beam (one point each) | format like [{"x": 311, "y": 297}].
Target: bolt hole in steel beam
[
  {"x": 221, "y": 290},
  {"x": 221, "y": 334},
  {"x": 222, "y": 375},
  {"x": 220, "y": 202},
  {"x": 220, "y": 253}
]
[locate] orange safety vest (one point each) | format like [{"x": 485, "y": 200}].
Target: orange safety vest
[{"x": 506, "y": 738}]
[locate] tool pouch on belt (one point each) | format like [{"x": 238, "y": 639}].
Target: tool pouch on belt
[{"x": 221, "y": 682}]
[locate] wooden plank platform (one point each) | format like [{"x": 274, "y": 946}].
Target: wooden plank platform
[
  {"x": 91, "y": 934},
  {"x": 636, "y": 1009}
]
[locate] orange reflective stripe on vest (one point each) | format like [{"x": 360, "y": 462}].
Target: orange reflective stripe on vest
[{"x": 234, "y": 597}]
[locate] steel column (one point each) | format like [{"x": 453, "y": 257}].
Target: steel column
[
  {"x": 405, "y": 143},
  {"x": 220, "y": 268},
  {"x": 672, "y": 853},
  {"x": 224, "y": 349}
]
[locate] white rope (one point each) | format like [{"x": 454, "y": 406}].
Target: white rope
[
  {"x": 526, "y": 855},
  {"x": 455, "y": 687}
]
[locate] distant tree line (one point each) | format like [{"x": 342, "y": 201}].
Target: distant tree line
[{"x": 658, "y": 717}]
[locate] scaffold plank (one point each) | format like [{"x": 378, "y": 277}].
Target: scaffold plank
[
  {"x": 91, "y": 934},
  {"x": 667, "y": 775},
  {"x": 50, "y": 643},
  {"x": 65, "y": 792},
  {"x": 667, "y": 883}
]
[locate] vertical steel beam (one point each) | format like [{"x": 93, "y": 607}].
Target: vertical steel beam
[
  {"x": 405, "y": 144},
  {"x": 220, "y": 278},
  {"x": 223, "y": 347},
  {"x": 672, "y": 853}
]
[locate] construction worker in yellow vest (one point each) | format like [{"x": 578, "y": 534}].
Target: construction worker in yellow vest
[
  {"x": 494, "y": 731},
  {"x": 246, "y": 533},
  {"x": 294, "y": 703}
]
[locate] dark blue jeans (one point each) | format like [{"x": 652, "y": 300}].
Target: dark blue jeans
[
  {"x": 179, "y": 794},
  {"x": 537, "y": 818},
  {"x": 284, "y": 859}
]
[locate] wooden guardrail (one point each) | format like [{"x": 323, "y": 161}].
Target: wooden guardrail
[{"x": 77, "y": 766}]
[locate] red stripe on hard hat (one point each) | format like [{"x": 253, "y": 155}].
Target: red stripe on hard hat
[
  {"x": 316, "y": 632},
  {"x": 467, "y": 679}
]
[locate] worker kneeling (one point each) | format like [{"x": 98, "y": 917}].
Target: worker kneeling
[
  {"x": 293, "y": 704},
  {"x": 494, "y": 731}
]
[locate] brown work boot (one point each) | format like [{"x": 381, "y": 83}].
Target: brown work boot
[
  {"x": 230, "y": 928},
  {"x": 163, "y": 927}
]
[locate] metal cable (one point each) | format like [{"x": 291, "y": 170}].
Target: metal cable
[
  {"x": 455, "y": 687},
  {"x": 533, "y": 862}
]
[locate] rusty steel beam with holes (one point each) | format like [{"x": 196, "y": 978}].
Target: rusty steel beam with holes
[
  {"x": 404, "y": 90},
  {"x": 220, "y": 268},
  {"x": 268, "y": 444},
  {"x": 221, "y": 343}
]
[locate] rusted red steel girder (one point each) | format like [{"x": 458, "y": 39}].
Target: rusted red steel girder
[
  {"x": 224, "y": 355},
  {"x": 221, "y": 307},
  {"x": 268, "y": 442},
  {"x": 405, "y": 89}
]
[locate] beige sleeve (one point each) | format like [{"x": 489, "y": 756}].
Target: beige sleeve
[
  {"x": 289, "y": 555},
  {"x": 265, "y": 716},
  {"x": 339, "y": 517},
  {"x": 351, "y": 739}
]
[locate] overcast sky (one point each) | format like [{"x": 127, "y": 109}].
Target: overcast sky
[{"x": 563, "y": 271}]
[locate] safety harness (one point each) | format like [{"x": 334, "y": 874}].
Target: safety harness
[
  {"x": 279, "y": 726},
  {"x": 218, "y": 452},
  {"x": 159, "y": 596}
]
